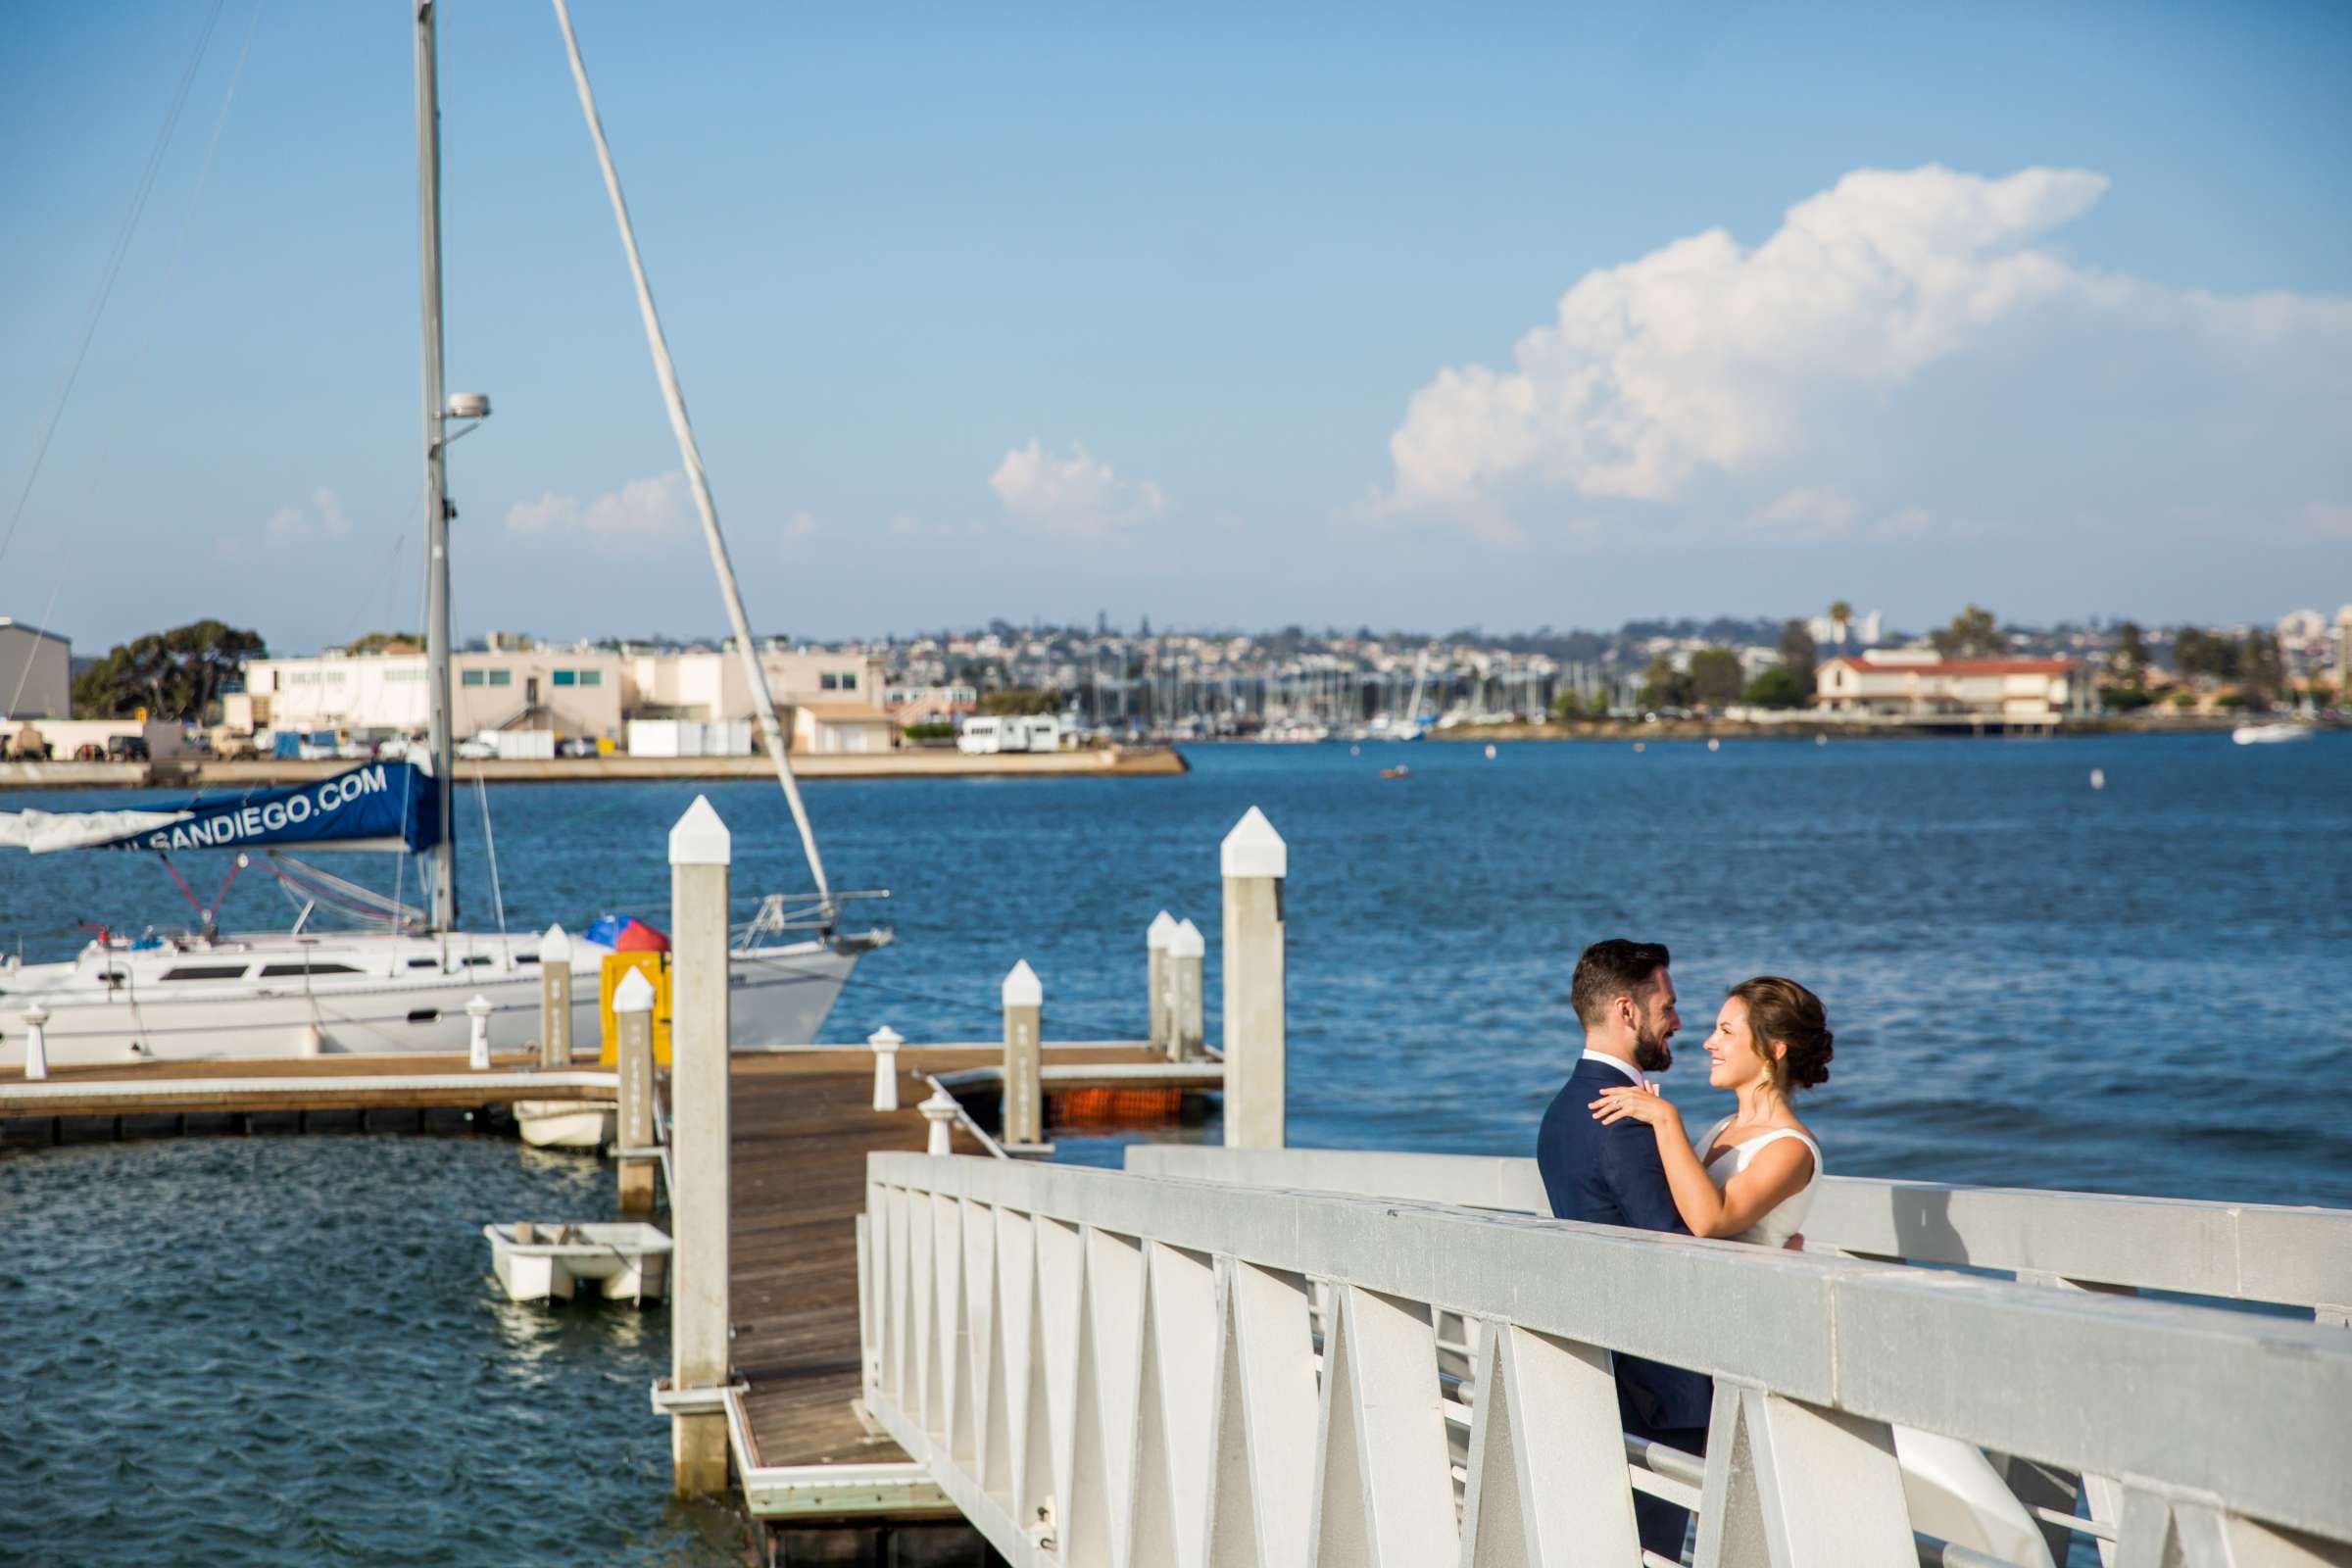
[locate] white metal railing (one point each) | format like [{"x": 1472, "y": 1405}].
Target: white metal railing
[
  {"x": 1103, "y": 1367},
  {"x": 2283, "y": 1255}
]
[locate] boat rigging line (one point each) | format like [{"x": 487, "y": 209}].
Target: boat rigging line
[
  {"x": 690, "y": 454},
  {"x": 112, "y": 271}
]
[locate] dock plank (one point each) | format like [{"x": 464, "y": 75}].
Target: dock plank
[{"x": 803, "y": 1125}]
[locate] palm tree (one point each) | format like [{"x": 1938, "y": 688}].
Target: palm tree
[{"x": 1841, "y": 612}]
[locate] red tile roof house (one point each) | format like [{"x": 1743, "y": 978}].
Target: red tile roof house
[{"x": 1924, "y": 684}]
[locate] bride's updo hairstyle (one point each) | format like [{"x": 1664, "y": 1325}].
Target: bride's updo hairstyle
[{"x": 1784, "y": 1010}]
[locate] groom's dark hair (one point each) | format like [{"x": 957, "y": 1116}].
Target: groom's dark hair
[{"x": 1611, "y": 969}]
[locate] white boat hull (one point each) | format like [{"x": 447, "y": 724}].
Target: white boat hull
[
  {"x": 2271, "y": 734},
  {"x": 566, "y": 1123},
  {"x": 398, "y": 995},
  {"x": 623, "y": 1262}
]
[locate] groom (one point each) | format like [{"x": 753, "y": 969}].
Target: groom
[{"x": 1611, "y": 1175}]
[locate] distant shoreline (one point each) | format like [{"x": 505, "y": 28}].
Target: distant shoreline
[
  {"x": 1129, "y": 761},
  {"x": 1693, "y": 730}
]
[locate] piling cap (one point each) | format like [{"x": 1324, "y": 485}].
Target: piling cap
[
  {"x": 1164, "y": 926},
  {"x": 555, "y": 947},
  {"x": 1255, "y": 849},
  {"x": 700, "y": 838},
  {"x": 480, "y": 1006},
  {"x": 1187, "y": 941},
  {"x": 634, "y": 994},
  {"x": 886, "y": 1039},
  {"x": 1022, "y": 987}
]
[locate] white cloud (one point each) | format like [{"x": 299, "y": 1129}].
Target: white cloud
[
  {"x": 1750, "y": 369},
  {"x": 639, "y": 511},
  {"x": 1079, "y": 495},
  {"x": 322, "y": 519}
]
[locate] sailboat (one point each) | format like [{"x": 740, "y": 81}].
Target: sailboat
[{"x": 401, "y": 979}]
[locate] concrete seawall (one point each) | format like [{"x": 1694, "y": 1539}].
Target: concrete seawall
[{"x": 1138, "y": 761}]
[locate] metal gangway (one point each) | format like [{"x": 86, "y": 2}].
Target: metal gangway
[{"x": 1290, "y": 1357}]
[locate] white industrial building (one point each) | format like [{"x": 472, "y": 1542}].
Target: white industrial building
[
  {"x": 36, "y": 673},
  {"x": 599, "y": 694}
]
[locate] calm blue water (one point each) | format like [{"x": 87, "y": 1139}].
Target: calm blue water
[{"x": 2137, "y": 988}]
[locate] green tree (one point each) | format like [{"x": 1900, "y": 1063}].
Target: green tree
[
  {"x": 1798, "y": 654},
  {"x": 176, "y": 675},
  {"x": 1013, "y": 700},
  {"x": 1716, "y": 676},
  {"x": 1779, "y": 687},
  {"x": 2196, "y": 652},
  {"x": 1975, "y": 633},
  {"x": 387, "y": 642},
  {"x": 1842, "y": 615},
  {"x": 1664, "y": 686},
  {"x": 2129, "y": 664},
  {"x": 2263, "y": 670}
]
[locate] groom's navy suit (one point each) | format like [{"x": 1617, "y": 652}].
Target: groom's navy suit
[{"x": 1612, "y": 1176}]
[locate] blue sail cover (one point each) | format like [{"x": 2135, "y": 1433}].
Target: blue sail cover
[{"x": 377, "y": 806}]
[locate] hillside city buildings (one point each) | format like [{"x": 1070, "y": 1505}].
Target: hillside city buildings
[{"x": 673, "y": 700}]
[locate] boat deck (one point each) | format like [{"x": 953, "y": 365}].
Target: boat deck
[{"x": 300, "y": 1084}]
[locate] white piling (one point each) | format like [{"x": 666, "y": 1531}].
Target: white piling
[
  {"x": 1254, "y": 862},
  {"x": 1024, "y": 1118},
  {"x": 633, "y": 1023},
  {"x": 36, "y": 1041},
  {"x": 554, "y": 998},
  {"x": 939, "y": 1112},
  {"x": 886, "y": 1041},
  {"x": 1188, "y": 1034},
  {"x": 477, "y": 1035},
  {"x": 700, "y": 852},
  {"x": 314, "y": 1040},
  {"x": 1156, "y": 952}
]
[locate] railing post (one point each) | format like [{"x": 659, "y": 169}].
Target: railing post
[
  {"x": 1254, "y": 862},
  {"x": 699, "y": 851},
  {"x": 633, "y": 1020},
  {"x": 886, "y": 1041},
  {"x": 554, "y": 998},
  {"x": 939, "y": 1112},
  {"x": 1024, "y": 1100},
  {"x": 36, "y": 1041},
  {"x": 1187, "y": 953},
  {"x": 477, "y": 1035},
  {"x": 1156, "y": 952}
]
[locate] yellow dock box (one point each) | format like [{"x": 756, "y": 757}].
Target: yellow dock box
[{"x": 617, "y": 967}]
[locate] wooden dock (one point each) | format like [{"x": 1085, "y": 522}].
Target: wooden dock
[
  {"x": 229, "y": 1095},
  {"x": 803, "y": 1124}
]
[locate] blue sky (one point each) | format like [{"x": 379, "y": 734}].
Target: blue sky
[{"x": 1517, "y": 316}]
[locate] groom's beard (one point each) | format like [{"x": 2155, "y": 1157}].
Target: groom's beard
[{"x": 1651, "y": 1052}]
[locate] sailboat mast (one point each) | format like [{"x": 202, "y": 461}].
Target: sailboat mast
[{"x": 443, "y": 876}]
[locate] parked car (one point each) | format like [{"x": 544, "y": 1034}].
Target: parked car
[
  {"x": 576, "y": 746},
  {"x": 127, "y": 749},
  {"x": 476, "y": 749}
]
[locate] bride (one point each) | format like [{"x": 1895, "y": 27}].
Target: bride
[{"x": 1751, "y": 1178}]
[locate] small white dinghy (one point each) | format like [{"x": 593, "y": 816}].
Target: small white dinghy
[
  {"x": 538, "y": 1263},
  {"x": 566, "y": 1123}
]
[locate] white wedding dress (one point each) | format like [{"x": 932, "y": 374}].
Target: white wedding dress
[{"x": 1952, "y": 1489}]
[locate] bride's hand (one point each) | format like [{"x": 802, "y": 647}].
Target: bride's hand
[{"x": 1641, "y": 1104}]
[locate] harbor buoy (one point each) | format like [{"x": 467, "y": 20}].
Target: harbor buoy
[
  {"x": 1641, "y": 745},
  {"x": 1489, "y": 750},
  {"x": 2098, "y": 778},
  {"x": 1714, "y": 745},
  {"x": 1820, "y": 740},
  {"x": 1356, "y": 751}
]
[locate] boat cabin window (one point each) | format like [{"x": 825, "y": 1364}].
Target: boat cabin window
[
  {"x": 272, "y": 972},
  {"x": 424, "y": 964},
  {"x": 480, "y": 959},
  {"x": 526, "y": 957},
  {"x": 206, "y": 971}
]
